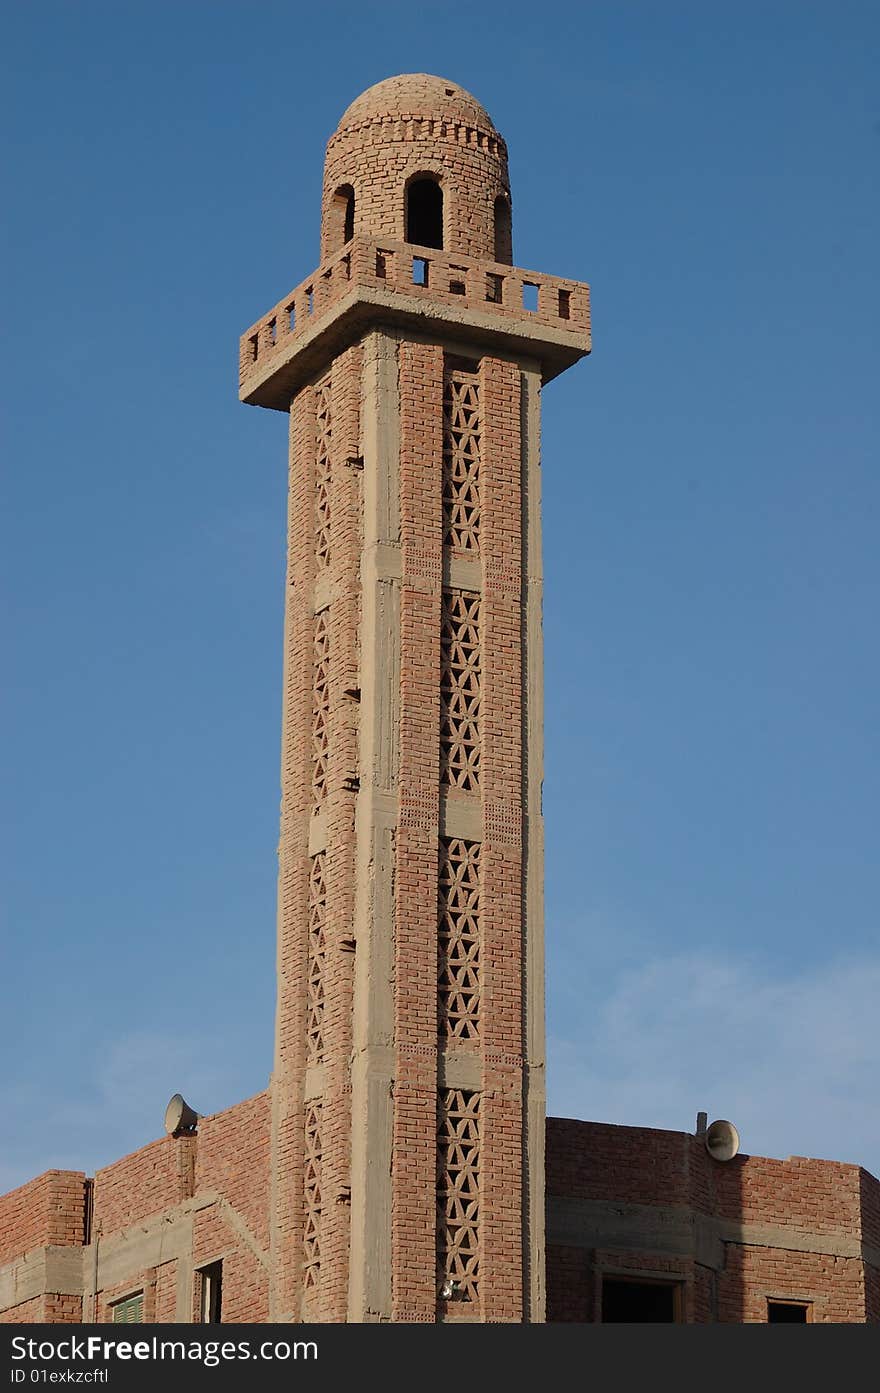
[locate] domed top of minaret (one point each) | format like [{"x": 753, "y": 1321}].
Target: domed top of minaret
[
  {"x": 416, "y": 94},
  {"x": 417, "y": 159}
]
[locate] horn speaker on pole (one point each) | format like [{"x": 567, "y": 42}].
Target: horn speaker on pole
[
  {"x": 179, "y": 1116},
  {"x": 722, "y": 1140}
]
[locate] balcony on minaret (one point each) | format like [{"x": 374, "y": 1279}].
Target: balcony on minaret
[{"x": 377, "y": 279}]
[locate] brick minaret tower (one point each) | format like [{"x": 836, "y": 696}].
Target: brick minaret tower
[{"x": 408, "y": 1088}]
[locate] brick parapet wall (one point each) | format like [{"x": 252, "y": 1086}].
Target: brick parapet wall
[
  {"x": 819, "y": 1196},
  {"x": 454, "y": 282},
  {"x": 642, "y": 1165},
  {"x": 148, "y": 1181},
  {"x": 829, "y": 1208},
  {"x": 196, "y": 1199},
  {"x": 594, "y": 1161},
  {"x": 49, "y": 1209}
]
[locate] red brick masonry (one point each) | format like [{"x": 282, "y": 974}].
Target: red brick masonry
[
  {"x": 625, "y": 1201},
  {"x": 621, "y": 1201}
]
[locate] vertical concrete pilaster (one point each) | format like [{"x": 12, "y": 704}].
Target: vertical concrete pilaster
[
  {"x": 534, "y": 1082},
  {"x": 372, "y": 1075},
  {"x": 288, "y": 1077}
]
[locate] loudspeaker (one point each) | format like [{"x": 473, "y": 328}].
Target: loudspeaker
[
  {"x": 722, "y": 1140},
  {"x": 180, "y": 1117}
]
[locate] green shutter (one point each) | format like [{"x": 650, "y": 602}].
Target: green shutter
[{"x": 130, "y": 1312}]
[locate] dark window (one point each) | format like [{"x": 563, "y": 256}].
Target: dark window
[
  {"x": 638, "y": 1301},
  {"x": 788, "y": 1312},
  {"x": 341, "y": 218},
  {"x": 211, "y": 1299},
  {"x": 503, "y": 238},
  {"x": 424, "y": 213}
]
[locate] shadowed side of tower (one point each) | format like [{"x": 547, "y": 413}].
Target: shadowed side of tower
[{"x": 408, "y": 1088}]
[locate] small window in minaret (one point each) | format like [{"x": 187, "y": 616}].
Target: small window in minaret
[
  {"x": 424, "y": 212},
  {"x": 341, "y": 216},
  {"x": 503, "y": 236}
]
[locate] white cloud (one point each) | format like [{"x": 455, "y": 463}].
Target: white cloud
[{"x": 792, "y": 1059}]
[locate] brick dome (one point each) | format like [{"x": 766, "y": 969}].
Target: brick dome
[
  {"x": 416, "y": 94},
  {"x": 417, "y": 159}
]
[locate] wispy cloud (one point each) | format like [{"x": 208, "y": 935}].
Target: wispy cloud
[
  {"x": 87, "y": 1123},
  {"x": 792, "y": 1058}
]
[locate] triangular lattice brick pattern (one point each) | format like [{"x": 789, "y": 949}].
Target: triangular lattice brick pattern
[
  {"x": 458, "y": 1193},
  {"x": 317, "y": 958},
  {"x": 322, "y": 474},
  {"x": 461, "y": 461},
  {"x": 312, "y": 1197},
  {"x": 460, "y": 690},
  {"x": 459, "y": 939},
  {"x": 320, "y": 706}
]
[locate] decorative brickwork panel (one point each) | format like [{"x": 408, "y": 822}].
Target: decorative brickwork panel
[
  {"x": 320, "y": 706},
  {"x": 323, "y": 433},
  {"x": 460, "y": 690},
  {"x": 458, "y": 939},
  {"x": 312, "y": 1198},
  {"x": 461, "y": 460},
  {"x": 458, "y": 1195},
  {"x": 317, "y": 957}
]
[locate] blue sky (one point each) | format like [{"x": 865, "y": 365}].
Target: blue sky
[{"x": 711, "y": 531}]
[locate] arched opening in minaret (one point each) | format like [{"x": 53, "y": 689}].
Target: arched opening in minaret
[
  {"x": 424, "y": 212},
  {"x": 503, "y": 233},
  {"x": 341, "y": 218}
]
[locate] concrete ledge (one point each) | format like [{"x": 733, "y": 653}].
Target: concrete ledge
[
  {"x": 677, "y": 1231},
  {"x": 364, "y": 308},
  {"x": 52, "y": 1269}
]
